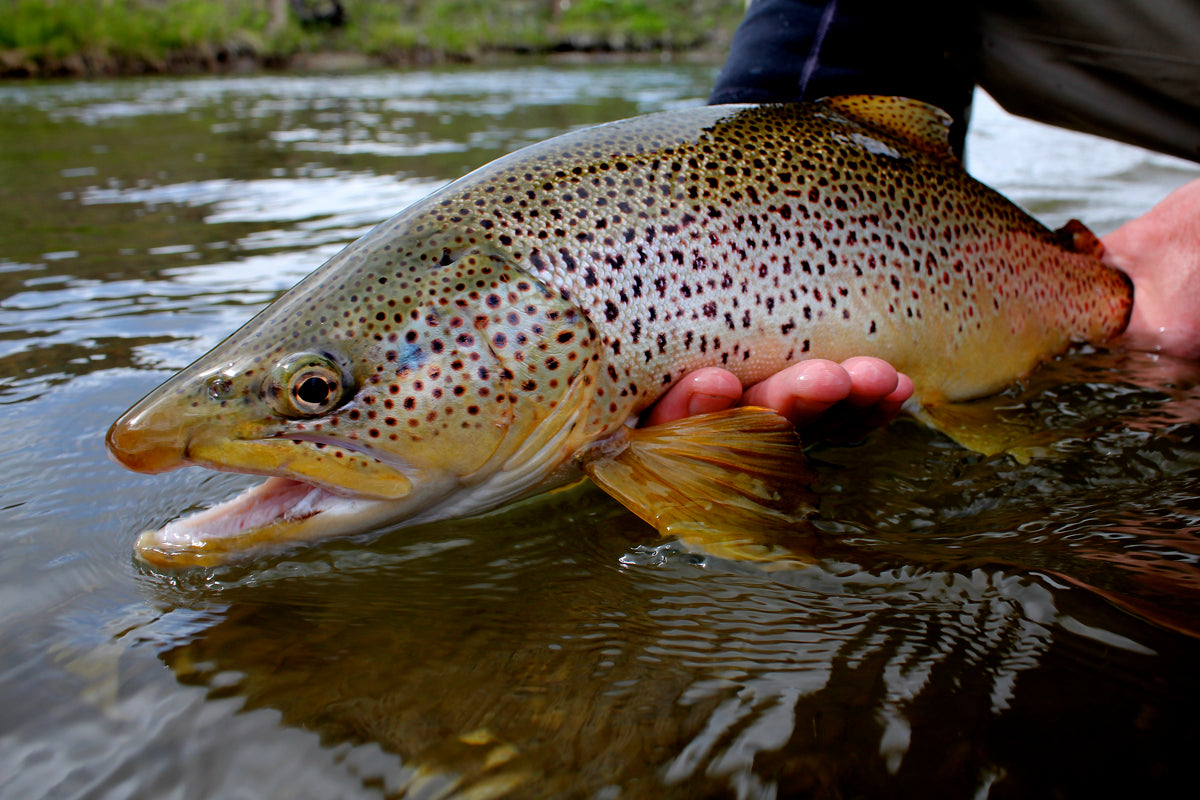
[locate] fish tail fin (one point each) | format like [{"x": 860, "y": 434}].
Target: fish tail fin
[
  {"x": 1078, "y": 238},
  {"x": 733, "y": 483},
  {"x": 1075, "y": 237}
]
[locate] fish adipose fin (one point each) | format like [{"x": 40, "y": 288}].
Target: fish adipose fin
[
  {"x": 924, "y": 126},
  {"x": 733, "y": 483}
]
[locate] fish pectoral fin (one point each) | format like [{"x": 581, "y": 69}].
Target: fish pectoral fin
[
  {"x": 920, "y": 124},
  {"x": 733, "y": 483},
  {"x": 990, "y": 427}
]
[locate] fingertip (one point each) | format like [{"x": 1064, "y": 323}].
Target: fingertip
[
  {"x": 819, "y": 380},
  {"x": 872, "y": 380},
  {"x": 714, "y": 380},
  {"x": 712, "y": 389},
  {"x": 803, "y": 391},
  {"x": 891, "y": 405},
  {"x": 704, "y": 391}
]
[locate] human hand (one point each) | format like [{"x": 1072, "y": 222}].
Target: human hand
[
  {"x": 823, "y": 399},
  {"x": 1160, "y": 252}
]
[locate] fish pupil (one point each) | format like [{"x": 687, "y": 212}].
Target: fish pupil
[{"x": 314, "y": 390}]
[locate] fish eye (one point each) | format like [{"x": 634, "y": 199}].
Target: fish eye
[
  {"x": 313, "y": 389},
  {"x": 307, "y": 385}
]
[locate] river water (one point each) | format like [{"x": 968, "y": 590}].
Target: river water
[{"x": 986, "y": 627}]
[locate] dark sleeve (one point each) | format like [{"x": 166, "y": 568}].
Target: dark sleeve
[
  {"x": 1124, "y": 70},
  {"x": 793, "y": 50}
]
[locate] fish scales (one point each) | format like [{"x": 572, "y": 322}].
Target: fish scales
[
  {"x": 752, "y": 238},
  {"x": 479, "y": 341}
]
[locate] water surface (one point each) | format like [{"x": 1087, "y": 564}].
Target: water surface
[{"x": 984, "y": 626}]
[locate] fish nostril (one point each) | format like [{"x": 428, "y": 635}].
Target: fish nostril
[{"x": 219, "y": 387}]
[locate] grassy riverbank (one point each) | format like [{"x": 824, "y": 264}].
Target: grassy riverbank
[{"x": 102, "y": 37}]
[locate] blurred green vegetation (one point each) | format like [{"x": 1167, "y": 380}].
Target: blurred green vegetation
[{"x": 121, "y": 36}]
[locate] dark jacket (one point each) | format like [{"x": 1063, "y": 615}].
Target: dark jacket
[{"x": 1124, "y": 70}]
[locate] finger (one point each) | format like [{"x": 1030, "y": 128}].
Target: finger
[
  {"x": 871, "y": 380},
  {"x": 870, "y": 405},
  {"x": 703, "y": 391},
  {"x": 803, "y": 391},
  {"x": 890, "y": 406}
]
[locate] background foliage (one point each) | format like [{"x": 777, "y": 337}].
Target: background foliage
[{"x": 107, "y": 36}]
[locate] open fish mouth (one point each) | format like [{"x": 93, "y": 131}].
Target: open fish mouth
[{"x": 275, "y": 512}]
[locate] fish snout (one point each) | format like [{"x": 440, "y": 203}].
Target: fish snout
[{"x": 145, "y": 444}]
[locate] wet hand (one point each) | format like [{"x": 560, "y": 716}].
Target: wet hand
[
  {"x": 1160, "y": 252},
  {"x": 823, "y": 399}
]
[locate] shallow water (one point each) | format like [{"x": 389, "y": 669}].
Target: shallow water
[{"x": 983, "y": 626}]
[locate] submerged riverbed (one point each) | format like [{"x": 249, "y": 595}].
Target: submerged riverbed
[{"x": 979, "y": 625}]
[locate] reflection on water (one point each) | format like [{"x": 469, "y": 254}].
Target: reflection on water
[{"x": 979, "y": 625}]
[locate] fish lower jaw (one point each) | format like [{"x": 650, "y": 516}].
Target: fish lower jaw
[
  {"x": 276, "y": 513},
  {"x": 274, "y": 500},
  {"x": 282, "y": 512}
]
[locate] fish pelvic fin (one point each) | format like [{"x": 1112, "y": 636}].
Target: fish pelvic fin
[
  {"x": 992, "y": 426},
  {"x": 732, "y": 483},
  {"x": 921, "y": 125}
]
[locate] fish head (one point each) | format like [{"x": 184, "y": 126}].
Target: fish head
[{"x": 385, "y": 387}]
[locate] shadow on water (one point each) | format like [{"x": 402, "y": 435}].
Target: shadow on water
[{"x": 986, "y": 626}]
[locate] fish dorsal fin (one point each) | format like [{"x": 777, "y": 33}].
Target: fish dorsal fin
[
  {"x": 920, "y": 124},
  {"x": 733, "y": 483}
]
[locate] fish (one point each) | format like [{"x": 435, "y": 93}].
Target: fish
[{"x": 501, "y": 337}]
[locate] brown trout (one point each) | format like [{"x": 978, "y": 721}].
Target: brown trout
[{"x": 499, "y": 336}]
